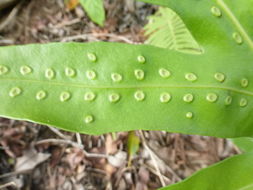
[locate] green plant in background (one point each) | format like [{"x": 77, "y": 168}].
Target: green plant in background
[
  {"x": 97, "y": 88},
  {"x": 94, "y": 9},
  {"x": 234, "y": 173},
  {"x": 167, "y": 30},
  {"x": 133, "y": 143}
]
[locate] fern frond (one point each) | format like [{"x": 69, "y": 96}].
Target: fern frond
[{"x": 167, "y": 30}]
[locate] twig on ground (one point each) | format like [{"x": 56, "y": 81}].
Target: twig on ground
[
  {"x": 96, "y": 170},
  {"x": 60, "y": 134},
  {"x": 78, "y": 138},
  {"x": 59, "y": 141},
  {"x": 152, "y": 155},
  {"x": 156, "y": 159},
  {"x": 11, "y": 16},
  {"x": 4, "y": 148},
  {"x": 14, "y": 173},
  {"x": 67, "y": 23},
  {"x": 95, "y": 36},
  {"x": 74, "y": 144},
  {"x": 13, "y": 184},
  {"x": 155, "y": 172}
]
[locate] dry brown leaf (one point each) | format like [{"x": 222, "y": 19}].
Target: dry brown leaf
[
  {"x": 30, "y": 160},
  {"x": 74, "y": 157},
  {"x": 118, "y": 160},
  {"x": 110, "y": 145},
  {"x": 71, "y": 4}
]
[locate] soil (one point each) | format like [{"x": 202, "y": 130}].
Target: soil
[{"x": 45, "y": 158}]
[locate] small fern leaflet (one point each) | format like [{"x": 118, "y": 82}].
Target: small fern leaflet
[{"x": 167, "y": 30}]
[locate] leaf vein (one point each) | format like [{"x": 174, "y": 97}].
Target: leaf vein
[
  {"x": 80, "y": 85},
  {"x": 236, "y": 22}
]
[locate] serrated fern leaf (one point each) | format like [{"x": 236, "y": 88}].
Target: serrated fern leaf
[{"x": 167, "y": 30}]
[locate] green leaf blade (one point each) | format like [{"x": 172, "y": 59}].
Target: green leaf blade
[
  {"x": 209, "y": 29},
  {"x": 245, "y": 143},
  {"x": 130, "y": 112},
  {"x": 95, "y": 10},
  {"x": 235, "y": 173}
]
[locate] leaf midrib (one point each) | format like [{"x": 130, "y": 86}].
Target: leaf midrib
[
  {"x": 80, "y": 85},
  {"x": 236, "y": 22}
]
